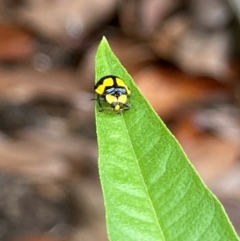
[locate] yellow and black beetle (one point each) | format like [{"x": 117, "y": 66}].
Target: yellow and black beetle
[{"x": 114, "y": 91}]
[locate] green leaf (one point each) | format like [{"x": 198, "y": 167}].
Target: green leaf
[{"x": 151, "y": 191}]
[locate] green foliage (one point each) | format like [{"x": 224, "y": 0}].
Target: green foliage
[{"x": 151, "y": 191}]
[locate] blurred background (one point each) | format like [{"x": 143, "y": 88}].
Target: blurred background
[{"x": 183, "y": 55}]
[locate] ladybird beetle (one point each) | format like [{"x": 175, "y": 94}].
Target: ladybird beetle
[{"x": 114, "y": 91}]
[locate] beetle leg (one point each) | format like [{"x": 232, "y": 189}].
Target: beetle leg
[{"x": 126, "y": 106}]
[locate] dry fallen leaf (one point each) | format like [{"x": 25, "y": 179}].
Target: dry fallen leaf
[
  {"x": 168, "y": 89},
  {"x": 16, "y": 43}
]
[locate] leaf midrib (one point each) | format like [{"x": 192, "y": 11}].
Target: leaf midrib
[{"x": 143, "y": 181}]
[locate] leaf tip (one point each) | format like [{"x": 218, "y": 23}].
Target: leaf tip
[{"x": 104, "y": 41}]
